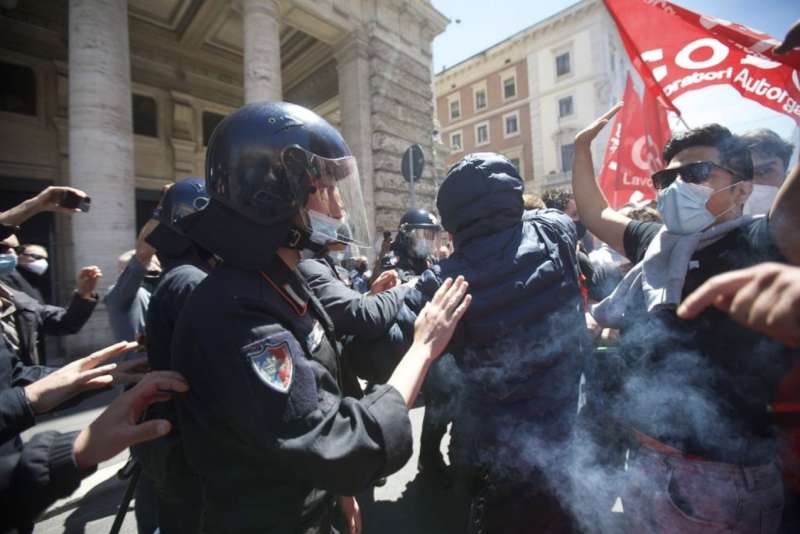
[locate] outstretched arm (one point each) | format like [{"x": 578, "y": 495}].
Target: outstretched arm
[{"x": 598, "y": 217}]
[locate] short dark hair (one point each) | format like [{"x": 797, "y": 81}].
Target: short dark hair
[
  {"x": 733, "y": 150},
  {"x": 557, "y": 198},
  {"x": 768, "y": 142}
]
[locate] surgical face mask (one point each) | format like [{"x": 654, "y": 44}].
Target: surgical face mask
[
  {"x": 337, "y": 256},
  {"x": 760, "y": 200},
  {"x": 683, "y": 207},
  {"x": 8, "y": 262},
  {"x": 36, "y": 266},
  {"x": 323, "y": 228}
]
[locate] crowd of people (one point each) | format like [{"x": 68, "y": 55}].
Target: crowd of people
[{"x": 585, "y": 356}]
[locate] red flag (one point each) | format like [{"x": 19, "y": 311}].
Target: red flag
[
  {"x": 676, "y": 50},
  {"x": 638, "y": 135}
]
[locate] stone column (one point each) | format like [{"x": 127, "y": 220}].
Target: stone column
[
  {"x": 262, "y": 50},
  {"x": 101, "y": 152},
  {"x": 356, "y": 111}
]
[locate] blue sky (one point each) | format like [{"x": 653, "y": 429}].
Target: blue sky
[{"x": 484, "y": 23}]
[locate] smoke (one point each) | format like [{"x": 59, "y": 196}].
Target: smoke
[{"x": 518, "y": 412}]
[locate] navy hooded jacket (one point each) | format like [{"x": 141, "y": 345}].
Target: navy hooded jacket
[{"x": 521, "y": 336}]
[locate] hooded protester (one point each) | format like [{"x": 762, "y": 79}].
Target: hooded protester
[
  {"x": 519, "y": 346},
  {"x": 275, "y": 424},
  {"x": 692, "y": 394}
]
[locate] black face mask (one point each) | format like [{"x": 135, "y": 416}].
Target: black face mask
[{"x": 581, "y": 229}]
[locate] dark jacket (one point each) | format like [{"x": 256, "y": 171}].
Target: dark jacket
[
  {"x": 22, "y": 280},
  {"x": 361, "y": 321},
  {"x": 352, "y": 313},
  {"x": 35, "y": 477},
  {"x": 266, "y": 423},
  {"x": 521, "y": 337},
  {"x": 34, "y": 318}
]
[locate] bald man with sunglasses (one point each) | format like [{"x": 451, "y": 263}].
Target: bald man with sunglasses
[{"x": 693, "y": 394}]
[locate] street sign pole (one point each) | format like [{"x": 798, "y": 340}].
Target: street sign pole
[{"x": 413, "y": 192}]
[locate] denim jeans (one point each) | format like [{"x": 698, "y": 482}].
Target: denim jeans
[{"x": 668, "y": 493}]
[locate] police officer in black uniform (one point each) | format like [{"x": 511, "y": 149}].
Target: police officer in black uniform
[
  {"x": 184, "y": 265},
  {"x": 272, "y": 423},
  {"x": 415, "y": 245}
]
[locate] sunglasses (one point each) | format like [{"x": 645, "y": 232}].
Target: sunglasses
[{"x": 693, "y": 173}]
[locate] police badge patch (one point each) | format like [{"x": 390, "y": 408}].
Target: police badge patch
[{"x": 271, "y": 359}]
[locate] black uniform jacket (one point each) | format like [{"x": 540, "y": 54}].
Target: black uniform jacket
[
  {"x": 265, "y": 423},
  {"x": 352, "y": 313}
]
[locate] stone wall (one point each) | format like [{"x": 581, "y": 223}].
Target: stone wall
[{"x": 402, "y": 115}]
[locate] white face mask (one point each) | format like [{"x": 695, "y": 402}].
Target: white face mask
[
  {"x": 760, "y": 200},
  {"x": 683, "y": 207},
  {"x": 36, "y": 266},
  {"x": 323, "y": 228}
]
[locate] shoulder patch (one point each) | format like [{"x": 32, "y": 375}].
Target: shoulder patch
[{"x": 271, "y": 358}]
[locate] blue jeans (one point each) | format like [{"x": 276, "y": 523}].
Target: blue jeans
[{"x": 671, "y": 494}]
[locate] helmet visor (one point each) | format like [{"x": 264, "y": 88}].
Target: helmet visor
[
  {"x": 336, "y": 192},
  {"x": 425, "y": 241}
]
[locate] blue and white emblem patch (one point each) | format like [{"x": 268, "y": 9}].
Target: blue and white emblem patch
[{"x": 271, "y": 359}]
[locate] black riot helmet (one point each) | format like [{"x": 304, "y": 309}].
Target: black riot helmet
[
  {"x": 182, "y": 199},
  {"x": 418, "y": 233},
  {"x": 263, "y": 161}
]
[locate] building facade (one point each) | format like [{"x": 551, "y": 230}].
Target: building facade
[
  {"x": 563, "y": 71},
  {"x": 119, "y": 98}
]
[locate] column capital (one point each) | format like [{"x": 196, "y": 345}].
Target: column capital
[{"x": 354, "y": 45}]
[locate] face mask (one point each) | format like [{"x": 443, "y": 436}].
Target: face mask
[
  {"x": 323, "y": 228},
  {"x": 36, "y": 266},
  {"x": 422, "y": 248},
  {"x": 760, "y": 200},
  {"x": 8, "y": 262},
  {"x": 683, "y": 207},
  {"x": 337, "y": 257}
]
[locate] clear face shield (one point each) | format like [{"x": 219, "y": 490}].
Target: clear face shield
[
  {"x": 334, "y": 214},
  {"x": 424, "y": 242}
]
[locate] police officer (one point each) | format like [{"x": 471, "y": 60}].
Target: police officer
[
  {"x": 184, "y": 265},
  {"x": 416, "y": 243},
  {"x": 267, "y": 424},
  {"x": 412, "y": 251}
]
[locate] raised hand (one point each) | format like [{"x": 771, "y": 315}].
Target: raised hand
[
  {"x": 586, "y": 135},
  {"x": 118, "y": 427},
  {"x": 74, "y": 378}
]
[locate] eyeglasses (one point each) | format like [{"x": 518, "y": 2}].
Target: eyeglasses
[{"x": 693, "y": 173}]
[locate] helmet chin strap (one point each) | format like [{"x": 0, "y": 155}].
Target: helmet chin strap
[{"x": 300, "y": 239}]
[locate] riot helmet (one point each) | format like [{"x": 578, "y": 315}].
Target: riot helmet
[
  {"x": 269, "y": 168},
  {"x": 184, "y": 198},
  {"x": 419, "y": 233}
]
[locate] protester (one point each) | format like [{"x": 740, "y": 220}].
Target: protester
[
  {"x": 533, "y": 202},
  {"x": 519, "y": 346},
  {"x": 185, "y": 264},
  {"x": 267, "y": 425},
  {"x": 127, "y": 300},
  {"x": 51, "y": 465},
  {"x": 28, "y": 277},
  {"x": 359, "y": 280},
  {"x": 693, "y": 394},
  {"x": 771, "y": 156}
]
